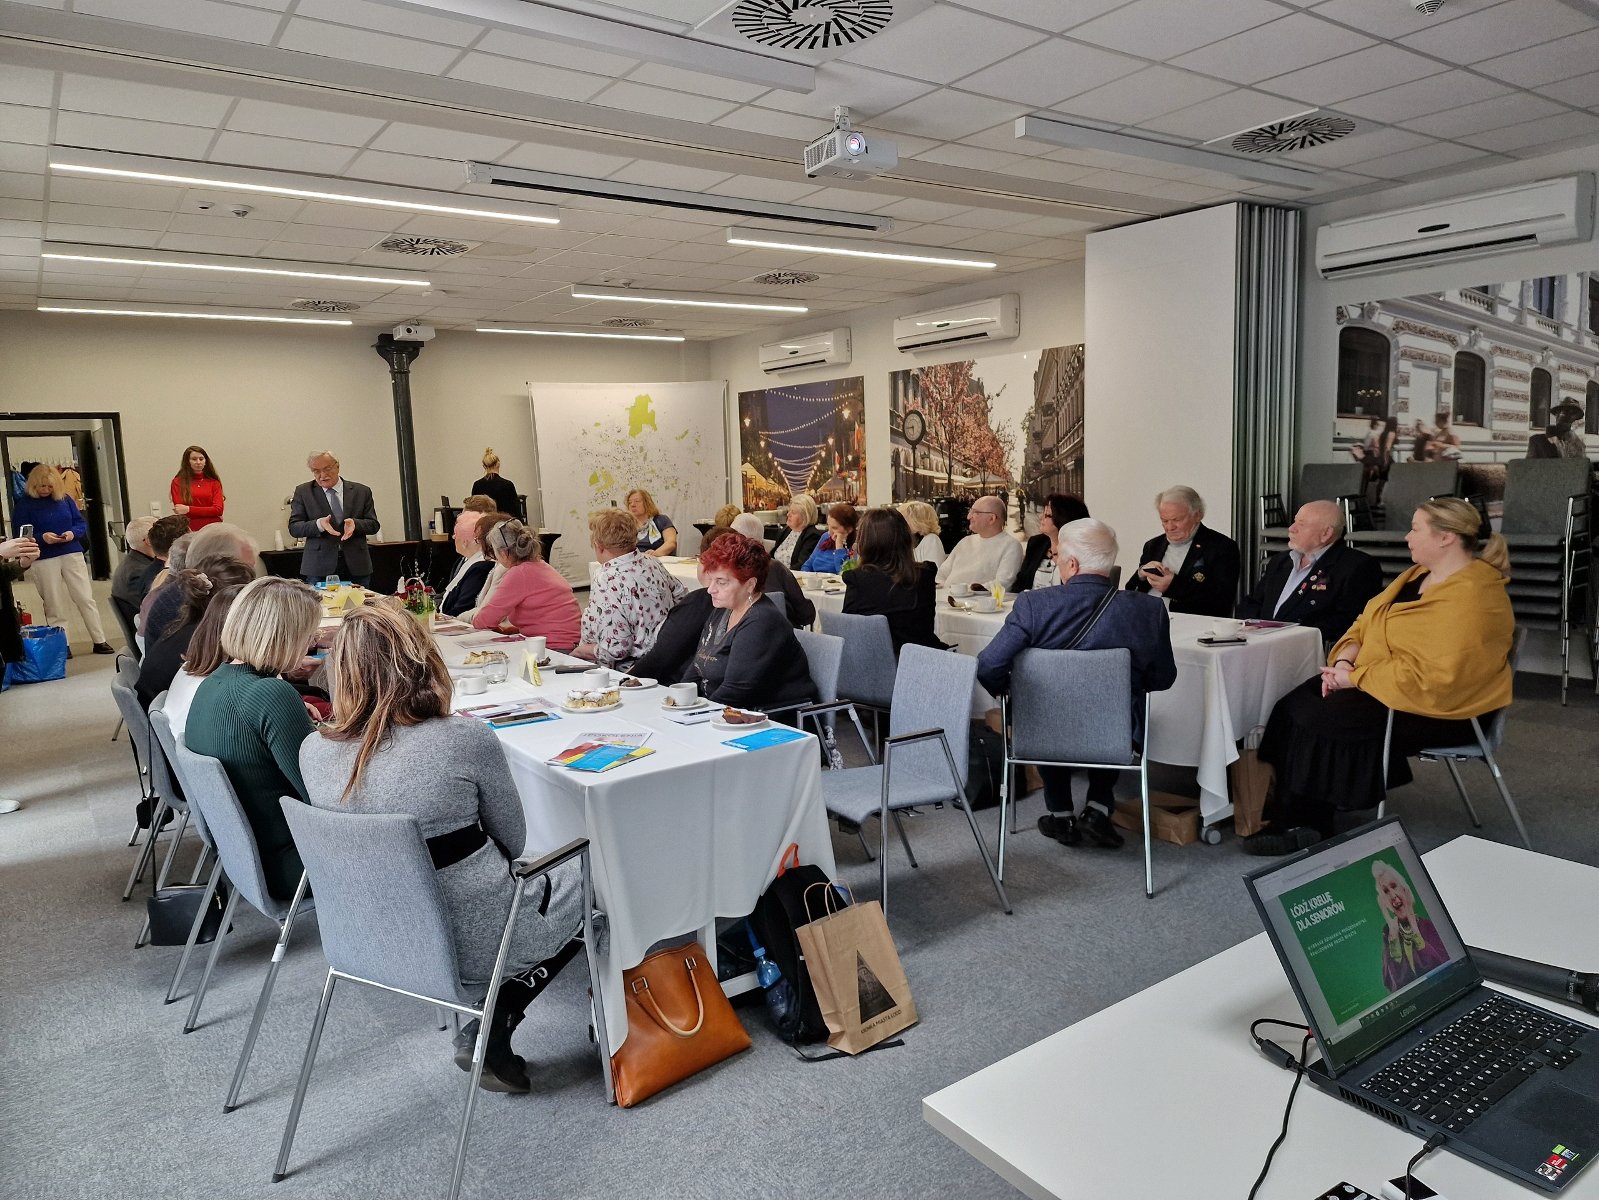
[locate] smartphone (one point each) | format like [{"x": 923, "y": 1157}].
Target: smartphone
[{"x": 25, "y": 532}]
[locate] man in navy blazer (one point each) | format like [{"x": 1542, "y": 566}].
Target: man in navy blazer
[
  {"x": 1192, "y": 566},
  {"x": 1319, "y": 580},
  {"x": 1049, "y": 619}
]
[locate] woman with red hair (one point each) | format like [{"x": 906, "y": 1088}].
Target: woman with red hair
[{"x": 747, "y": 655}]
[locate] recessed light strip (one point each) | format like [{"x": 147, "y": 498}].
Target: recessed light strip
[
  {"x": 772, "y": 239},
  {"x": 687, "y": 299},
  {"x": 1083, "y": 137},
  {"x": 82, "y": 307},
  {"x": 584, "y": 333},
  {"x": 141, "y": 168},
  {"x": 64, "y": 252}
]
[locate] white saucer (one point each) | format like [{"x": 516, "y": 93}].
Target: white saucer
[
  {"x": 718, "y": 723},
  {"x": 685, "y": 708},
  {"x": 640, "y": 684},
  {"x": 589, "y": 708}
]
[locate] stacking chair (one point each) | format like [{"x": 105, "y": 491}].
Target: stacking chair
[
  {"x": 168, "y": 742},
  {"x": 1490, "y": 733},
  {"x": 171, "y": 797},
  {"x": 866, "y": 673},
  {"x": 239, "y": 859},
  {"x": 125, "y": 614},
  {"x": 384, "y": 924},
  {"x": 133, "y": 716},
  {"x": 824, "y": 654},
  {"x": 1328, "y": 481},
  {"x": 924, "y": 757},
  {"x": 1547, "y": 527},
  {"x": 1072, "y": 708}
]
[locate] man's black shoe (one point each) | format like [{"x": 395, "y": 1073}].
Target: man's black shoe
[
  {"x": 1274, "y": 843},
  {"x": 1060, "y": 826},
  {"x": 1097, "y": 829}
]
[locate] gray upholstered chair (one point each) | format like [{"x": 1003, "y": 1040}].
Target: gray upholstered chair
[
  {"x": 867, "y": 669},
  {"x": 1073, "y": 708},
  {"x": 1490, "y": 734},
  {"x": 238, "y": 857},
  {"x": 123, "y": 684},
  {"x": 924, "y": 757},
  {"x": 825, "y": 655},
  {"x": 168, "y": 742},
  {"x": 384, "y": 924},
  {"x": 1328, "y": 481},
  {"x": 172, "y": 796}
]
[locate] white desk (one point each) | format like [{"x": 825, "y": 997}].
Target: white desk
[
  {"x": 1165, "y": 1095},
  {"x": 691, "y": 833}
]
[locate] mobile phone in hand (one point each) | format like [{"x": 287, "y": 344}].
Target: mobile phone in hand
[{"x": 26, "y": 532}]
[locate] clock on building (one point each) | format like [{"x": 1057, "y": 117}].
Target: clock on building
[{"x": 914, "y": 426}]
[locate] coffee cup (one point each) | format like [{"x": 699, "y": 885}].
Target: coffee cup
[
  {"x": 1223, "y": 628},
  {"x": 684, "y": 695},
  {"x": 539, "y": 648},
  {"x": 982, "y": 603},
  {"x": 597, "y": 680},
  {"x": 472, "y": 685}
]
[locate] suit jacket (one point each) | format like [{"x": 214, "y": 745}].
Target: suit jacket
[
  {"x": 1033, "y": 557},
  {"x": 321, "y": 553},
  {"x": 1208, "y": 582},
  {"x": 1330, "y": 598},
  {"x": 1048, "y": 619}
]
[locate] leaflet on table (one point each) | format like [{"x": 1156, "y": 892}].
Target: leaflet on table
[
  {"x": 451, "y": 628},
  {"x": 766, "y": 737},
  {"x": 589, "y": 753},
  {"x": 1259, "y": 626},
  {"x": 512, "y": 712}
]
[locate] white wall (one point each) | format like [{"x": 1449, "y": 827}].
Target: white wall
[
  {"x": 1159, "y": 369},
  {"x": 1051, "y": 315},
  {"x": 260, "y": 399}
]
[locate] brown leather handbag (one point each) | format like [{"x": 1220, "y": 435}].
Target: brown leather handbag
[{"x": 678, "y": 1022}]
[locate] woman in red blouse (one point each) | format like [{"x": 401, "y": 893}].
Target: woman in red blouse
[{"x": 197, "y": 490}]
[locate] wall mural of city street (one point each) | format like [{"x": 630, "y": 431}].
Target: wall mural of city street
[
  {"x": 1481, "y": 374},
  {"x": 804, "y": 437},
  {"x": 1010, "y": 425}
]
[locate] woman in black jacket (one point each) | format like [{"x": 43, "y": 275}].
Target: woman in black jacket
[
  {"x": 890, "y": 582},
  {"x": 800, "y": 541},
  {"x": 747, "y": 654},
  {"x": 1058, "y": 512}
]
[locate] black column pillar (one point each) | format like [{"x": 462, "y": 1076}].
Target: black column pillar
[{"x": 399, "y": 356}]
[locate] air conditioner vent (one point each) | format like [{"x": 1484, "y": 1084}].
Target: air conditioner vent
[
  {"x": 628, "y": 322},
  {"x": 811, "y": 24},
  {"x": 426, "y": 246},
  {"x": 328, "y": 306},
  {"x": 785, "y": 278},
  {"x": 1300, "y": 133}
]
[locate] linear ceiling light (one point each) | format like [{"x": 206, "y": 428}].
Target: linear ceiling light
[
  {"x": 584, "y": 333},
  {"x": 773, "y": 239},
  {"x": 639, "y": 193},
  {"x": 122, "y": 256},
  {"x": 1082, "y": 137},
  {"x": 582, "y": 291},
  {"x": 106, "y": 164},
  {"x": 114, "y": 310}
]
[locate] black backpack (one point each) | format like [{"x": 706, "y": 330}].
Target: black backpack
[{"x": 778, "y": 914}]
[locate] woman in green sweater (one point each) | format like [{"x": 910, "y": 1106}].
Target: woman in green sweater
[{"x": 253, "y": 722}]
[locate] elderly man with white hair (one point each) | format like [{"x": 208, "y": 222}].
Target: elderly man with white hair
[
  {"x": 780, "y": 582},
  {"x": 1320, "y": 580},
  {"x": 1190, "y": 566},
  {"x": 335, "y": 516},
  {"x": 128, "y": 583},
  {"x": 1084, "y": 613}
]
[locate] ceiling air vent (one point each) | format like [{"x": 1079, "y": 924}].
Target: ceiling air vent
[
  {"x": 627, "y": 322},
  {"x": 331, "y": 306},
  {"x": 1299, "y": 133},
  {"x": 407, "y": 244},
  {"x": 810, "y": 24},
  {"x": 785, "y": 278}
]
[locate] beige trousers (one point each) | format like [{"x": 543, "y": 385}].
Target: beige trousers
[{"x": 63, "y": 584}]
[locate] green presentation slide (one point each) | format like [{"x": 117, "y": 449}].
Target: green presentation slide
[{"x": 1339, "y": 921}]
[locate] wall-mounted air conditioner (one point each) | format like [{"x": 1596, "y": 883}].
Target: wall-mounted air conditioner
[
  {"x": 1527, "y": 216},
  {"x": 827, "y": 348},
  {"x": 992, "y": 320}
]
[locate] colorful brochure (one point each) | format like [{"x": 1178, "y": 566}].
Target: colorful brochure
[
  {"x": 761, "y": 739},
  {"x": 598, "y": 756}
]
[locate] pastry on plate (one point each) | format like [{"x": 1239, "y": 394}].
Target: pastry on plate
[{"x": 737, "y": 716}]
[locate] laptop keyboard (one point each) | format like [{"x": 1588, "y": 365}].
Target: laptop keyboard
[{"x": 1458, "y": 1073}]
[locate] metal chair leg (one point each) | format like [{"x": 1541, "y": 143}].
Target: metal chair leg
[
  {"x": 591, "y": 950},
  {"x": 199, "y": 865},
  {"x": 133, "y": 838},
  {"x": 865, "y": 845},
  {"x": 278, "y": 951},
  {"x": 882, "y": 833},
  {"x": 1149, "y": 845},
  {"x": 148, "y": 853},
  {"x": 444, "y": 1018},
  {"x": 211, "y": 962},
  {"x": 305, "y": 1078},
  {"x": 115, "y": 733},
  {"x": 971, "y": 819},
  {"x": 1460, "y": 787},
  {"x": 194, "y": 932},
  {"x": 172, "y": 850},
  {"x": 1499, "y": 782},
  {"x": 899, "y": 826}
]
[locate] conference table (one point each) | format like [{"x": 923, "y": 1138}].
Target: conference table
[
  {"x": 1164, "y": 1094},
  {"x": 693, "y": 832}
]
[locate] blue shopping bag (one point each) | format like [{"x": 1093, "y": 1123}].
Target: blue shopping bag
[{"x": 44, "y": 651}]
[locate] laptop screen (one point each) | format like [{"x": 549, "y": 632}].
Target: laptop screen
[{"x": 1364, "y": 938}]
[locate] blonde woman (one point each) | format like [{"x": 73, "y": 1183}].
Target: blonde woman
[
  {"x": 253, "y": 721},
  {"x": 1411, "y": 944},
  {"x": 724, "y": 515},
  {"x": 657, "y": 536},
  {"x": 61, "y": 573},
  {"x": 495, "y": 486},
  {"x": 1434, "y": 646},
  {"x": 802, "y": 537},
  {"x": 919, "y": 515},
  {"x": 629, "y": 594},
  {"x": 393, "y": 747}
]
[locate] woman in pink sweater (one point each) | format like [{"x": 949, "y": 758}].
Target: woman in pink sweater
[{"x": 533, "y": 598}]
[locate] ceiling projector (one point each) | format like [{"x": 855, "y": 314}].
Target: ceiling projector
[{"x": 847, "y": 153}]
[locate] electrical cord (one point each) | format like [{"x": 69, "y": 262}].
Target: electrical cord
[
  {"x": 1282, "y": 1058},
  {"x": 1431, "y": 1144}
]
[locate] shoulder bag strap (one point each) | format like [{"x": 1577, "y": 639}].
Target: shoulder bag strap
[{"x": 1093, "y": 619}]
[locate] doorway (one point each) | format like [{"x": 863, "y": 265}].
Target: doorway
[{"x": 91, "y": 445}]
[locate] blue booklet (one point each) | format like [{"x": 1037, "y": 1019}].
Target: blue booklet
[{"x": 775, "y": 736}]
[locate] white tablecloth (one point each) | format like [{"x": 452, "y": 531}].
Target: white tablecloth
[{"x": 691, "y": 833}]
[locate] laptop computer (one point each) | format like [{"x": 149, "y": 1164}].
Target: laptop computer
[{"x": 1406, "y": 1028}]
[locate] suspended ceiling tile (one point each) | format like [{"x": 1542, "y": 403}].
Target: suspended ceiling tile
[
  {"x": 556, "y": 54},
  {"x": 20, "y": 186},
  {"x": 115, "y": 193},
  {"x": 14, "y": 156},
  {"x": 1049, "y": 72},
  {"x": 1529, "y": 134},
  {"x": 363, "y": 46},
  {"x": 1415, "y": 162},
  {"x": 1451, "y": 89},
  {"x": 1390, "y": 19},
  {"x": 522, "y": 77},
  {"x": 309, "y": 252},
  {"x": 210, "y": 245},
  {"x": 132, "y": 137},
  {"x": 637, "y": 97},
  {"x": 1547, "y": 63},
  {"x": 329, "y": 235},
  {"x": 281, "y": 154},
  {"x": 755, "y": 119},
  {"x": 536, "y": 157},
  {"x": 669, "y": 175},
  {"x": 1513, "y": 25},
  {"x": 227, "y": 226},
  {"x": 1582, "y": 92},
  {"x": 406, "y": 169},
  {"x": 1356, "y": 74},
  {"x": 1055, "y": 16},
  {"x": 1295, "y": 41},
  {"x": 429, "y": 142},
  {"x": 941, "y": 44},
  {"x": 1161, "y": 29},
  {"x": 755, "y": 187},
  {"x": 141, "y": 101},
  {"x": 1137, "y": 98},
  {"x": 865, "y": 92},
  {"x": 292, "y": 121},
  {"x": 1485, "y": 115},
  {"x": 391, "y": 19},
  {"x": 21, "y": 123},
  {"x": 192, "y": 16},
  {"x": 27, "y": 85},
  {"x": 696, "y": 83},
  {"x": 1363, "y": 144},
  {"x": 947, "y": 114},
  {"x": 975, "y": 158},
  {"x": 1224, "y": 115}
]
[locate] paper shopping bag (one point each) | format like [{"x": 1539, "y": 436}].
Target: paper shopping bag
[
  {"x": 860, "y": 986},
  {"x": 1250, "y": 782}
]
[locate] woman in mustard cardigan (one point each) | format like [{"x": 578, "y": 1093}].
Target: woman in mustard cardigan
[{"x": 1434, "y": 646}]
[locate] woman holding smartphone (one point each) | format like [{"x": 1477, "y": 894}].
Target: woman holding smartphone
[{"x": 60, "y": 574}]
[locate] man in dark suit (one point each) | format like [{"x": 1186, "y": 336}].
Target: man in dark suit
[
  {"x": 1192, "y": 566},
  {"x": 335, "y": 517},
  {"x": 1319, "y": 580},
  {"x": 1055, "y": 618}
]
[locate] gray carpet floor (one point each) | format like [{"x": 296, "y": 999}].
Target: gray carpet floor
[{"x": 102, "y": 1095}]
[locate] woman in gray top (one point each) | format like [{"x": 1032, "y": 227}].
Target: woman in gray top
[{"x": 392, "y": 747}]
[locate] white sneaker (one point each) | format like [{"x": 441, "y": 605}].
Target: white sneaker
[{"x": 10, "y": 806}]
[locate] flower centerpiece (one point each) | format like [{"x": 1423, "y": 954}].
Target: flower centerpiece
[{"x": 420, "y": 602}]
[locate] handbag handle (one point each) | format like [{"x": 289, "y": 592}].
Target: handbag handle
[
  {"x": 784, "y": 863},
  {"x": 827, "y": 909},
  {"x": 641, "y": 992}
]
